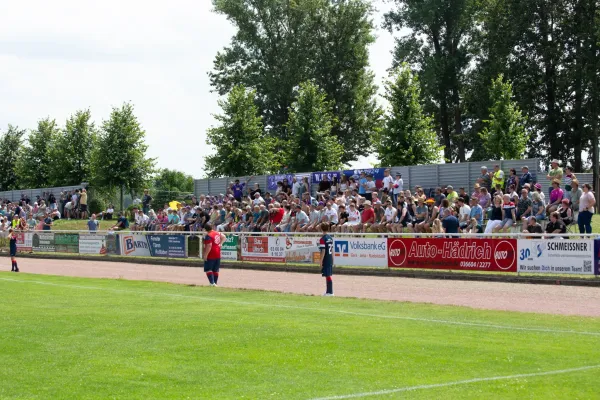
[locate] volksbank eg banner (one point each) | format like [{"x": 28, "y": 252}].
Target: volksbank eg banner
[
  {"x": 556, "y": 256},
  {"x": 360, "y": 252}
]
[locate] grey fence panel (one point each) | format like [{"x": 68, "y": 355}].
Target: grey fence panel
[
  {"x": 201, "y": 187},
  {"x": 456, "y": 175},
  {"x": 218, "y": 186},
  {"x": 425, "y": 176},
  {"x": 585, "y": 178}
]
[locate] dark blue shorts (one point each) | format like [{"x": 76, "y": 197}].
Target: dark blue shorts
[
  {"x": 212, "y": 265},
  {"x": 13, "y": 251},
  {"x": 327, "y": 270}
]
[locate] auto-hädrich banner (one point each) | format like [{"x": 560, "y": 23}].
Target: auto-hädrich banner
[
  {"x": 556, "y": 256},
  {"x": 453, "y": 254},
  {"x": 360, "y": 252}
]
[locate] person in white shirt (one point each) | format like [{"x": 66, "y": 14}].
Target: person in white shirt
[
  {"x": 331, "y": 214},
  {"x": 301, "y": 218},
  {"x": 295, "y": 187},
  {"x": 388, "y": 181},
  {"x": 257, "y": 199},
  {"x": 389, "y": 217},
  {"x": 464, "y": 213},
  {"x": 353, "y": 218},
  {"x": 141, "y": 220},
  {"x": 370, "y": 188},
  {"x": 398, "y": 187}
]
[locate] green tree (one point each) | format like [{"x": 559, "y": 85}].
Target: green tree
[
  {"x": 119, "y": 159},
  {"x": 242, "y": 147},
  {"x": 505, "y": 136},
  {"x": 71, "y": 151},
  {"x": 170, "y": 184},
  {"x": 312, "y": 146},
  {"x": 10, "y": 150},
  {"x": 35, "y": 162},
  {"x": 437, "y": 42},
  {"x": 281, "y": 43},
  {"x": 407, "y": 137}
]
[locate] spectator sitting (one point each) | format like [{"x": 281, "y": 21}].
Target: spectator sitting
[
  {"x": 439, "y": 196},
  {"x": 485, "y": 199},
  {"x": 451, "y": 195},
  {"x": 556, "y": 197},
  {"x": 566, "y": 212},
  {"x": 462, "y": 193},
  {"x": 538, "y": 208},
  {"x": 524, "y": 206},
  {"x": 93, "y": 223},
  {"x": 496, "y": 216},
  {"x": 31, "y": 222},
  {"x": 450, "y": 222},
  {"x": 512, "y": 193},
  {"x": 538, "y": 189},
  {"x": 54, "y": 214},
  {"x": 508, "y": 214},
  {"x": 464, "y": 213},
  {"x": 556, "y": 225},
  {"x": 122, "y": 223},
  {"x": 47, "y": 222},
  {"x": 533, "y": 226},
  {"x": 141, "y": 221}
]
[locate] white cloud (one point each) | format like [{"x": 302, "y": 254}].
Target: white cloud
[{"x": 57, "y": 57}]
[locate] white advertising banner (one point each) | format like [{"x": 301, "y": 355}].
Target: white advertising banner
[
  {"x": 302, "y": 249},
  {"x": 556, "y": 256},
  {"x": 263, "y": 248},
  {"x": 360, "y": 252},
  {"x": 134, "y": 244},
  {"x": 92, "y": 244}
]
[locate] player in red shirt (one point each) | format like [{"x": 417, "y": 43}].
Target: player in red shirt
[{"x": 212, "y": 253}]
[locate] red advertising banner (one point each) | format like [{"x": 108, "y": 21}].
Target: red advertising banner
[
  {"x": 24, "y": 241},
  {"x": 263, "y": 248},
  {"x": 499, "y": 255}
]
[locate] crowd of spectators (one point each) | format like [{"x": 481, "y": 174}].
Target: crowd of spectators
[{"x": 498, "y": 203}]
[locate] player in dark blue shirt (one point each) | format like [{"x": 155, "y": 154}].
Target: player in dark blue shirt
[
  {"x": 326, "y": 247},
  {"x": 13, "y": 250}
]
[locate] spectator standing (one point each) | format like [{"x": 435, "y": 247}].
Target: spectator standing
[
  {"x": 498, "y": 177},
  {"x": 485, "y": 179},
  {"x": 462, "y": 193},
  {"x": 388, "y": 181},
  {"x": 93, "y": 223},
  {"x": 83, "y": 204},
  {"x": 324, "y": 185},
  {"x": 555, "y": 173},
  {"x": 576, "y": 193},
  {"x": 526, "y": 177},
  {"x": 513, "y": 179},
  {"x": 146, "y": 201},
  {"x": 362, "y": 183},
  {"x": 370, "y": 188},
  {"x": 237, "y": 190},
  {"x": 569, "y": 177},
  {"x": 296, "y": 187},
  {"x": 48, "y": 222},
  {"x": 398, "y": 187},
  {"x": 587, "y": 202}
]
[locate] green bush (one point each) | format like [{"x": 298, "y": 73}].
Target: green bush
[{"x": 96, "y": 206}]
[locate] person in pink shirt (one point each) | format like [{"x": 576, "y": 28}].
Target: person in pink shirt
[{"x": 556, "y": 196}]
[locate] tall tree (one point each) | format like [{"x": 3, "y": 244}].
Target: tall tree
[
  {"x": 10, "y": 148},
  {"x": 170, "y": 184},
  {"x": 71, "y": 151},
  {"x": 35, "y": 162},
  {"x": 119, "y": 159},
  {"x": 504, "y": 137},
  {"x": 312, "y": 146},
  {"x": 438, "y": 45},
  {"x": 281, "y": 43},
  {"x": 408, "y": 136},
  {"x": 242, "y": 147}
]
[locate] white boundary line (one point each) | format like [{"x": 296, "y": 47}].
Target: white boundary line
[
  {"x": 326, "y": 310},
  {"x": 456, "y": 383}
]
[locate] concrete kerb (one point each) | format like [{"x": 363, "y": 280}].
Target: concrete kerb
[{"x": 402, "y": 273}]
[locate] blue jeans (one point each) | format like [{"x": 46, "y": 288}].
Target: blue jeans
[{"x": 585, "y": 222}]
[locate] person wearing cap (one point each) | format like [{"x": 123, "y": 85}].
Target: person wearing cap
[
  {"x": 432, "y": 213},
  {"x": 538, "y": 189},
  {"x": 556, "y": 172},
  {"x": 566, "y": 212},
  {"x": 485, "y": 180},
  {"x": 526, "y": 177},
  {"x": 556, "y": 196},
  {"x": 398, "y": 187}
]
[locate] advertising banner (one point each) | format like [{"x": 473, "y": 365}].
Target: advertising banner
[
  {"x": 376, "y": 172},
  {"x": 263, "y": 248},
  {"x": 273, "y": 179},
  {"x": 43, "y": 242},
  {"x": 92, "y": 244},
  {"x": 360, "y": 252},
  {"x": 229, "y": 249},
  {"x": 134, "y": 244},
  {"x": 24, "y": 241},
  {"x": 318, "y": 176},
  {"x": 499, "y": 255},
  {"x": 112, "y": 244},
  {"x": 556, "y": 256},
  {"x": 66, "y": 243},
  {"x": 171, "y": 246},
  {"x": 302, "y": 249}
]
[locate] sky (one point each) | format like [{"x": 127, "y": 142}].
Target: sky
[{"x": 59, "y": 57}]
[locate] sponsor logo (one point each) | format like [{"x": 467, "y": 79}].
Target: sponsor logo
[
  {"x": 398, "y": 253},
  {"x": 504, "y": 255},
  {"x": 130, "y": 245},
  {"x": 341, "y": 248}
]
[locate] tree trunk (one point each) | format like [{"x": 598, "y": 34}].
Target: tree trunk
[
  {"x": 445, "y": 125},
  {"x": 458, "y": 134},
  {"x": 122, "y": 189},
  {"x": 549, "y": 84}
]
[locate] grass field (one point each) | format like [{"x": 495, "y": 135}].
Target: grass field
[{"x": 67, "y": 338}]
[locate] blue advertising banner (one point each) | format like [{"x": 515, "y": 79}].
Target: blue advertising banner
[
  {"x": 349, "y": 173},
  {"x": 172, "y": 246},
  {"x": 597, "y": 256},
  {"x": 318, "y": 176},
  {"x": 273, "y": 179}
]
